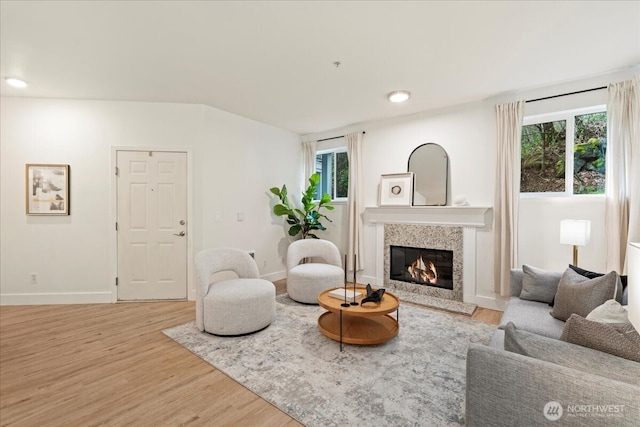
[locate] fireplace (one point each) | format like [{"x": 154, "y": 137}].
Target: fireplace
[
  {"x": 448, "y": 228},
  {"x": 421, "y": 266},
  {"x": 422, "y": 245}
]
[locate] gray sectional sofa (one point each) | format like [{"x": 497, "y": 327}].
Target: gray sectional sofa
[{"x": 555, "y": 384}]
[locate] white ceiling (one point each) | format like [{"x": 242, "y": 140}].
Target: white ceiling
[{"x": 274, "y": 61}]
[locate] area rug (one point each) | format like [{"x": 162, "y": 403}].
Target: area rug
[{"x": 418, "y": 378}]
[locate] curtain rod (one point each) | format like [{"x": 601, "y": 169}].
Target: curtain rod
[
  {"x": 566, "y": 94},
  {"x": 335, "y": 137}
]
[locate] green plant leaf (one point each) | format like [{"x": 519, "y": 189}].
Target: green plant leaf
[
  {"x": 325, "y": 199},
  {"x": 293, "y": 231},
  {"x": 314, "y": 179},
  {"x": 275, "y": 190},
  {"x": 281, "y": 210}
]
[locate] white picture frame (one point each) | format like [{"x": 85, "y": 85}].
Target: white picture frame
[{"x": 396, "y": 189}]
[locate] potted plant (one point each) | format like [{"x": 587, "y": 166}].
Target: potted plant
[{"x": 307, "y": 219}]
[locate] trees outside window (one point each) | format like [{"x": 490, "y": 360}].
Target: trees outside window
[
  {"x": 564, "y": 153},
  {"x": 333, "y": 167}
]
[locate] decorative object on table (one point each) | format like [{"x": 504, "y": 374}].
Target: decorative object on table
[
  {"x": 353, "y": 301},
  {"x": 345, "y": 303},
  {"x": 345, "y": 294},
  {"x": 307, "y": 219},
  {"x": 373, "y": 296},
  {"x": 575, "y": 232},
  {"x": 396, "y": 189},
  {"x": 47, "y": 189},
  {"x": 430, "y": 165}
]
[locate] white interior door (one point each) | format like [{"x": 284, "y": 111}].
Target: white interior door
[{"x": 151, "y": 227}]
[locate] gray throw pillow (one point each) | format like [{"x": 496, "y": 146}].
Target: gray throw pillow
[
  {"x": 538, "y": 284},
  {"x": 619, "y": 339},
  {"x": 579, "y": 295}
]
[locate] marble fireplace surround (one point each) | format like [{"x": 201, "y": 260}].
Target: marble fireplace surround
[{"x": 436, "y": 227}]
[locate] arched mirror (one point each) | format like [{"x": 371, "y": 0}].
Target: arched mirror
[{"x": 430, "y": 166}]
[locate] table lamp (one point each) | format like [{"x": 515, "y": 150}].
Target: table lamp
[{"x": 576, "y": 232}]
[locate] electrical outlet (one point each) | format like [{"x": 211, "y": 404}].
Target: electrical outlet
[
  {"x": 264, "y": 263},
  {"x": 34, "y": 278}
]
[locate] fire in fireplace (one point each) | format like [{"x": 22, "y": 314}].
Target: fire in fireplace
[{"x": 421, "y": 266}]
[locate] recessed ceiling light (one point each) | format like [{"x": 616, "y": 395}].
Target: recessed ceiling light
[
  {"x": 12, "y": 81},
  {"x": 399, "y": 96}
]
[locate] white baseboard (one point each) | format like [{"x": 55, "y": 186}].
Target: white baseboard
[
  {"x": 491, "y": 303},
  {"x": 56, "y": 298},
  {"x": 272, "y": 277}
]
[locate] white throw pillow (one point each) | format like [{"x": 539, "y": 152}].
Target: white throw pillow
[{"x": 609, "y": 312}]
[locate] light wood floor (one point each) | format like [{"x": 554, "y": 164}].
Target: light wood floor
[{"x": 110, "y": 364}]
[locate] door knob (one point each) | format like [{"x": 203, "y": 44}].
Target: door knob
[
  {"x": 182, "y": 222},
  {"x": 182, "y": 233}
]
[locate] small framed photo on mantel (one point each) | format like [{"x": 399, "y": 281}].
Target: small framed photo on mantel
[
  {"x": 47, "y": 189},
  {"x": 396, "y": 189}
]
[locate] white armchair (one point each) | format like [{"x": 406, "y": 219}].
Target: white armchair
[
  {"x": 324, "y": 271},
  {"x": 233, "y": 306}
]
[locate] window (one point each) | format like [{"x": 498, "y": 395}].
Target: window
[
  {"x": 333, "y": 167},
  {"x": 564, "y": 153}
]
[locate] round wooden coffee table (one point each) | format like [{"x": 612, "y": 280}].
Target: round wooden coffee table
[{"x": 358, "y": 324}]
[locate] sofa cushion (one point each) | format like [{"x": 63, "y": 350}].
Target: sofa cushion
[
  {"x": 532, "y": 316},
  {"x": 570, "y": 355},
  {"x": 579, "y": 295},
  {"x": 609, "y": 312},
  {"x": 619, "y": 339},
  {"x": 592, "y": 275},
  {"x": 538, "y": 284}
]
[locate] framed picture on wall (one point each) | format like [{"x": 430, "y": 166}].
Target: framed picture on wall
[
  {"x": 47, "y": 189},
  {"x": 396, "y": 189}
]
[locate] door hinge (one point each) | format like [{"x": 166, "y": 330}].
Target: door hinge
[
  {"x": 116, "y": 281},
  {"x": 117, "y": 171},
  {"x": 116, "y": 226}
]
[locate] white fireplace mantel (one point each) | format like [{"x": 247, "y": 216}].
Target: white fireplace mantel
[{"x": 465, "y": 216}]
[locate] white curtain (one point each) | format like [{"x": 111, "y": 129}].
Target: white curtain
[
  {"x": 355, "y": 244},
  {"x": 309, "y": 153},
  {"x": 507, "y": 193},
  {"x": 622, "y": 210}
]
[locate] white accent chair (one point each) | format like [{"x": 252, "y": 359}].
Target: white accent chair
[
  {"x": 233, "y": 306},
  {"x": 323, "y": 269}
]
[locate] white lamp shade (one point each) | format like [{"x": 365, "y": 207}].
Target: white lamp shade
[{"x": 575, "y": 232}]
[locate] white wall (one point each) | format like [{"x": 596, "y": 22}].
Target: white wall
[
  {"x": 467, "y": 133},
  {"x": 233, "y": 161}
]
